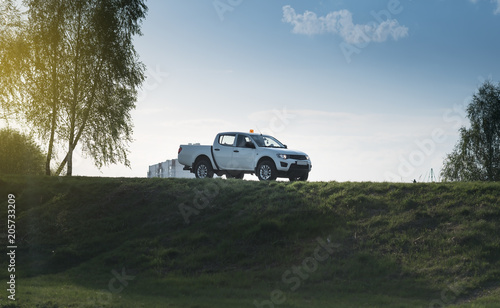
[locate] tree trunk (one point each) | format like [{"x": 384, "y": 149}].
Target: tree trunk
[
  {"x": 49, "y": 153},
  {"x": 51, "y": 141},
  {"x": 69, "y": 170},
  {"x": 76, "y": 93},
  {"x": 54, "y": 115}
]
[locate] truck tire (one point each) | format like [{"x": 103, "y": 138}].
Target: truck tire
[
  {"x": 203, "y": 169},
  {"x": 266, "y": 171}
]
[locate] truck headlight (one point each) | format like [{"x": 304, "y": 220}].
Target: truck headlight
[{"x": 282, "y": 156}]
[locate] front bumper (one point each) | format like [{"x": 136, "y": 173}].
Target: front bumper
[{"x": 290, "y": 168}]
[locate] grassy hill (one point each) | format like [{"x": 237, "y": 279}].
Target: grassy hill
[{"x": 116, "y": 242}]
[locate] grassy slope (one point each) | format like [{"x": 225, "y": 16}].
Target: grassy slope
[{"x": 396, "y": 245}]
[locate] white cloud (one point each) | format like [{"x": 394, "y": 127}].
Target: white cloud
[
  {"x": 497, "y": 10},
  {"x": 340, "y": 22}
]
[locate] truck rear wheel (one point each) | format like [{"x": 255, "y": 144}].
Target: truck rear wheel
[
  {"x": 203, "y": 169},
  {"x": 266, "y": 171}
]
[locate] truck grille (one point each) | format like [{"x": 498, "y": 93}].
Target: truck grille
[{"x": 298, "y": 157}]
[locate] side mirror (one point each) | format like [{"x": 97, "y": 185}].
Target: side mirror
[{"x": 286, "y": 147}]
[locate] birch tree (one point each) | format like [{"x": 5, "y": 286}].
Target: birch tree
[
  {"x": 83, "y": 75},
  {"x": 476, "y": 156}
]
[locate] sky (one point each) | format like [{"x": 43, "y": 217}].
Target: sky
[{"x": 371, "y": 90}]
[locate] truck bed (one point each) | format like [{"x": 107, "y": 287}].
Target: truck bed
[{"x": 190, "y": 152}]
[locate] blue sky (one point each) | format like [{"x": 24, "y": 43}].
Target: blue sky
[{"x": 372, "y": 90}]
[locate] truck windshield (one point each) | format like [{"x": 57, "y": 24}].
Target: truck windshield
[{"x": 267, "y": 142}]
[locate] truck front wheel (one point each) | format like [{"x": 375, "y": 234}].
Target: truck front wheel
[
  {"x": 266, "y": 171},
  {"x": 203, "y": 169}
]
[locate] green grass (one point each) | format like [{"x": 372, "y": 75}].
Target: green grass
[{"x": 116, "y": 242}]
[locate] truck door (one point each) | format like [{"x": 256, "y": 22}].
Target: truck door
[
  {"x": 223, "y": 150},
  {"x": 244, "y": 153}
]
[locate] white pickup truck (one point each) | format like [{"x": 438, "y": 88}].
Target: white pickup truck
[{"x": 234, "y": 153}]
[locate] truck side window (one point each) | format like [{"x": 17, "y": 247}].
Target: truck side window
[
  {"x": 244, "y": 142},
  {"x": 227, "y": 140}
]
